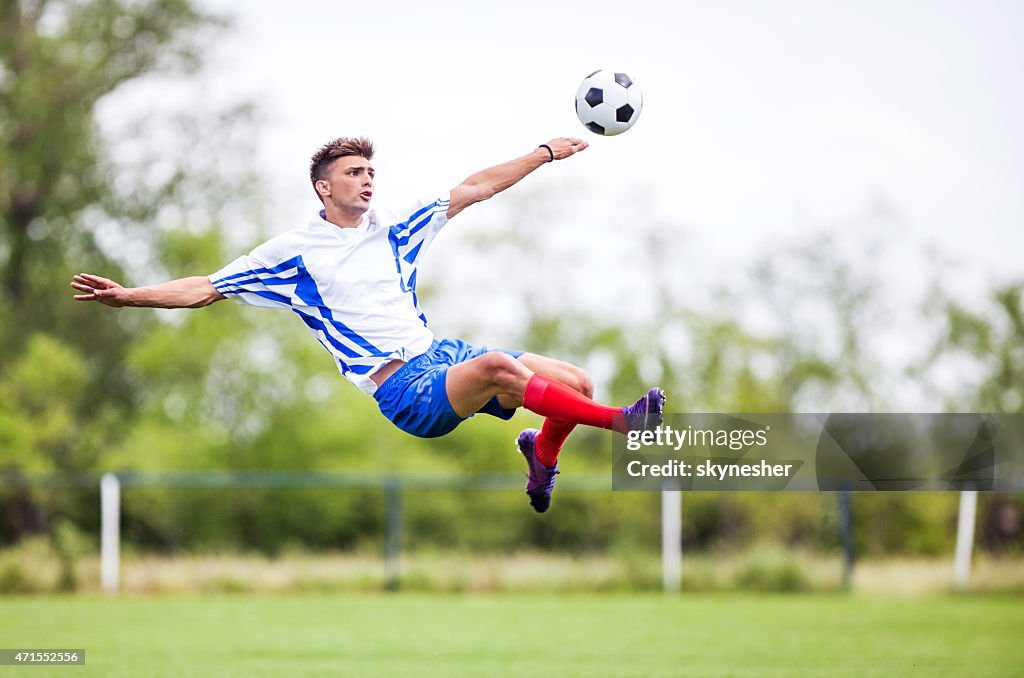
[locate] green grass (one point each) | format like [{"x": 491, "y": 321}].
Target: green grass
[{"x": 496, "y": 635}]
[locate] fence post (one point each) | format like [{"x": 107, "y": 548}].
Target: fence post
[
  {"x": 393, "y": 533},
  {"x": 844, "y": 514},
  {"x": 965, "y": 538},
  {"x": 671, "y": 536},
  {"x": 110, "y": 533}
]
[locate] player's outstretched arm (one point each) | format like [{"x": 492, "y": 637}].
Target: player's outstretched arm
[
  {"x": 194, "y": 292},
  {"x": 486, "y": 183}
]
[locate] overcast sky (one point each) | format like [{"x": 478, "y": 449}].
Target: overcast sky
[
  {"x": 760, "y": 118},
  {"x": 763, "y": 122}
]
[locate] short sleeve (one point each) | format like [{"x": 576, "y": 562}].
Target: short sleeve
[
  {"x": 249, "y": 281},
  {"x": 414, "y": 226}
]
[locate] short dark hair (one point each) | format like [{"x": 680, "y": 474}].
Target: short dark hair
[{"x": 331, "y": 151}]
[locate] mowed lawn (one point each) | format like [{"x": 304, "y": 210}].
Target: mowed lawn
[{"x": 512, "y": 635}]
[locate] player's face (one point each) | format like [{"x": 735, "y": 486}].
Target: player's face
[{"x": 350, "y": 182}]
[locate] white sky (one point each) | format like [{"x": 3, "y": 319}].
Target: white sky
[
  {"x": 762, "y": 121},
  {"x": 760, "y": 118}
]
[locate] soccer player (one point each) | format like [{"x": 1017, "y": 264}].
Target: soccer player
[{"x": 350, "y": 275}]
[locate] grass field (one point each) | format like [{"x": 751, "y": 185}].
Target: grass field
[{"x": 496, "y": 635}]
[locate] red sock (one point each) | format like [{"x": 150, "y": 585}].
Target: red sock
[
  {"x": 553, "y": 399},
  {"x": 552, "y": 436}
]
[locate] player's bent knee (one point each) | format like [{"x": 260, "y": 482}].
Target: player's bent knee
[
  {"x": 501, "y": 368},
  {"x": 585, "y": 384},
  {"x": 578, "y": 380}
]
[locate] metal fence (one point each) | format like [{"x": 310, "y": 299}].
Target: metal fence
[
  {"x": 393, "y": 485},
  {"x": 111, "y": 485}
]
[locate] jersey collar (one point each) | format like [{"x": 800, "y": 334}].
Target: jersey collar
[{"x": 369, "y": 220}]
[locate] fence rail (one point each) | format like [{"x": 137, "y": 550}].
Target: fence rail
[
  {"x": 365, "y": 480},
  {"x": 394, "y": 484},
  {"x": 112, "y": 483}
]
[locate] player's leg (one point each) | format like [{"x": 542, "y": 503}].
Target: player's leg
[
  {"x": 551, "y": 392},
  {"x": 554, "y": 432},
  {"x": 574, "y": 377},
  {"x": 471, "y": 384}
]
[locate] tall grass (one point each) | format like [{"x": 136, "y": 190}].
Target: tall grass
[{"x": 36, "y": 567}]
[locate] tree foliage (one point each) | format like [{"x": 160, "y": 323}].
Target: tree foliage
[
  {"x": 988, "y": 340},
  {"x": 63, "y": 389}
]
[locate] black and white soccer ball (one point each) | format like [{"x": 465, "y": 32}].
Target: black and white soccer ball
[{"x": 608, "y": 103}]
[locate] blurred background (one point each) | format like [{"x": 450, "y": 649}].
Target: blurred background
[{"x": 819, "y": 210}]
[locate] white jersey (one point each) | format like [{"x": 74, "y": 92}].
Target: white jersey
[{"x": 355, "y": 288}]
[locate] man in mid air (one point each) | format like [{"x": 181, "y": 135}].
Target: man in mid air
[{"x": 350, "y": 275}]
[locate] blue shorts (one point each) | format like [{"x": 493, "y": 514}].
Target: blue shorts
[{"x": 414, "y": 397}]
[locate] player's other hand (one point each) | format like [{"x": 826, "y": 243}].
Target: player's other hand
[
  {"x": 563, "y": 147},
  {"x": 99, "y": 289}
]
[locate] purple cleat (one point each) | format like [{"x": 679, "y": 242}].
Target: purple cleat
[
  {"x": 646, "y": 413},
  {"x": 542, "y": 478}
]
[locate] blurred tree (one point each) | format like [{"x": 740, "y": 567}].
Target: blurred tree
[
  {"x": 63, "y": 393},
  {"x": 57, "y": 61},
  {"x": 985, "y": 344},
  {"x": 977, "y": 364}
]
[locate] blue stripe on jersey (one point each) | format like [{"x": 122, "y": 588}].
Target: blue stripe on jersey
[
  {"x": 393, "y": 241},
  {"x": 411, "y": 256},
  {"x": 398, "y": 240},
  {"x": 399, "y": 228},
  {"x": 307, "y": 291},
  {"x": 315, "y": 323},
  {"x": 416, "y": 215},
  {"x": 415, "y": 298},
  {"x": 294, "y": 262},
  {"x": 273, "y": 296},
  {"x": 442, "y": 205},
  {"x": 399, "y": 236}
]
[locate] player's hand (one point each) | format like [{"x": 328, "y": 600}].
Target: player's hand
[
  {"x": 99, "y": 289},
  {"x": 563, "y": 147}
]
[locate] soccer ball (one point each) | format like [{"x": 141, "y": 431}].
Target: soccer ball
[{"x": 608, "y": 103}]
